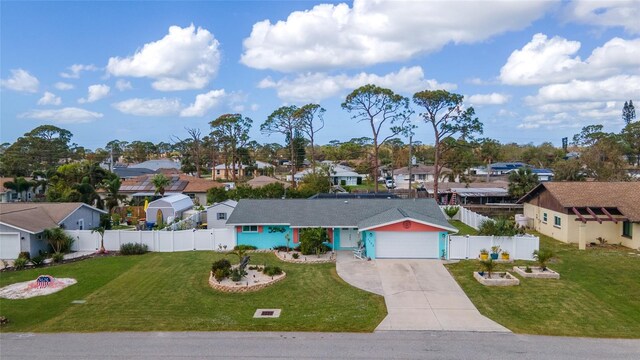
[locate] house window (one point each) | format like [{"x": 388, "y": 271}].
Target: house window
[
  {"x": 81, "y": 224},
  {"x": 250, "y": 228},
  {"x": 221, "y": 216},
  {"x": 626, "y": 229},
  {"x": 217, "y": 172},
  {"x": 544, "y": 218},
  {"x": 557, "y": 222}
]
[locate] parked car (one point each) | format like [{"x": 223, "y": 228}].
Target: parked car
[{"x": 390, "y": 184}]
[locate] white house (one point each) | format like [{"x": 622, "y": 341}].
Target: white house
[
  {"x": 420, "y": 174},
  {"x": 218, "y": 213},
  {"x": 168, "y": 208},
  {"x": 339, "y": 174}
]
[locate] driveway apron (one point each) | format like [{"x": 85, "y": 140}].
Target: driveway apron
[{"x": 422, "y": 295}]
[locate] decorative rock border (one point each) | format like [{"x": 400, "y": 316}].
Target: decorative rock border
[
  {"x": 305, "y": 259},
  {"x": 507, "y": 280},
  {"x": 536, "y": 273},
  {"x": 245, "y": 286}
]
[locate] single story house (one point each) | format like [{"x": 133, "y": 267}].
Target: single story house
[
  {"x": 222, "y": 171},
  {"x": 543, "y": 174},
  {"x": 218, "y": 213},
  {"x": 141, "y": 187},
  {"x": 10, "y": 195},
  {"x": 168, "y": 208},
  {"x": 499, "y": 168},
  {"x": 420, "y": 174},
  {"x": 339, "y": 174},
  {"x": 22, "y": 224},
  {"x": 582, "y": 212},
  {"x": 125, "y": 172},
  {"x": 158, "y": 164},
  {"x": 384, "y": 228}
]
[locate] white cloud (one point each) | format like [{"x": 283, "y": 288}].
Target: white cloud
[
  {"x": 186, "y": 58},
  {"x": 544, "y": 61},
  {"x": 63, "y": 86},
  {"x": 203, "y": 103},
  {"x": 123, "y": 85},
  {"x": 76, "y": 69},
  {"x": 22, "y": 81},
  {"x": 315, "y": 87},
  {"x": 371, "y": 32},
  {"x": 69, "y": 115},
  {"x": 620, "y": 88},
  {"x": 606, "y": 13},
  {"x": 488, "y": 99},
  {"x": 507, "y": 113},
  {"x": 96, "y": 92},
  {"x": 49, "y": 99},
  {"x": 149, "y": 107}
]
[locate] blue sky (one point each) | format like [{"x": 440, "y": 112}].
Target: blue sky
[{"x": 534, "y": 71}]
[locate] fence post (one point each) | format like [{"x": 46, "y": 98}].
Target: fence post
[
  {"x": 193, "y": 239},
  {"x": 515, "y": 247},
  {"x": 173, "y": 240}
]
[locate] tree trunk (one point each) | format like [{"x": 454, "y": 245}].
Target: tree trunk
[
  {"x": 436, "y": 170},
  {"x": 233, "y": 164},
  {"x": 375, "y": 162},
  {"x": 292, "y": 153}
]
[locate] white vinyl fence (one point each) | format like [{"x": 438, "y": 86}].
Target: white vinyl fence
[
  {"x": 468, "y": 217},
  {"x": 161, "y": 241},
  {"x": 468, "y": 247},
  {"x": 9, "y": 245}
]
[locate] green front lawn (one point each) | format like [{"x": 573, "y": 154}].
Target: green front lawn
[
  {"x": 170, "y": 292},
  {"x": 598, "y": 294}
]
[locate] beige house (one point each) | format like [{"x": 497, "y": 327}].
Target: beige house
[{"x": 582, "y": 212}]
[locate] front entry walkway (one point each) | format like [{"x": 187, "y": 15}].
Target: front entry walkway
[{"x": 419, "y": 294}]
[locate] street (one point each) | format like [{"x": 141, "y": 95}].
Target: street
[{"x": 267, "y": 345}]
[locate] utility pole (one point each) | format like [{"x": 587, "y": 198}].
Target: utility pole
[{"x": 410, "y": 166}]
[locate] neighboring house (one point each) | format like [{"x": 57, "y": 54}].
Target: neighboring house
[
  {"x": 385, "y": 228},
  {"x": 218, "y": 213},
  {"x": 543, "y": 174},
  {"x": 10, "y": 195},
  {"x": 499, "y": 168},
  {"x": 420, "y": 174},
  {"x": 25, "y": 222},
  {"x": 156, "y": 165},
  {"x": 168, "y": 208},
  {"x": 141, "y": 187},
  {"x": 339, "y": 175},
  {"x": 581, "y": 212},
  {"x": 471, "y": 193},
  {"x": 222, "y": 171},
  {"x": 261, "y": 181},
  {"x": 125, "y": 173}
]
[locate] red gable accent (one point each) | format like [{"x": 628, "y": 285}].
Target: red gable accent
[{"x": 407, "y": 225}]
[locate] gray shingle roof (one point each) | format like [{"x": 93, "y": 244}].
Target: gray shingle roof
[{"x": 335, "y": 212}]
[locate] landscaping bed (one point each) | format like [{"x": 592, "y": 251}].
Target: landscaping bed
[
  {"x": 496, "y": 279},
  {"x": 299, "y": 258},
  {"x": 536, "y": 272}
]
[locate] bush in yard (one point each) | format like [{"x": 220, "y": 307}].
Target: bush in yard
[
  {"x": 222, "y": 264},
  {"x": 500, "y": 227},
  {"x": 59, "y": 241},
  {"x": 24, "y": 255},
  {"x": 542, "y": 256},
  {"x": 221, "y": 274},
  {"x": 271, "y": 270},
  {"x": 488, "y": 266},
  {"x": 311, "y": 241},
  {"x": 133, "y": 249},
  {"x": 20, "y": 263},
  {"x": 244, "y": 247},
  {"x": 237, "y": 274},
  {"x": 451, "y": 211},
  {"x": 57, "y": 257},
  {"x": 37, "y": 260},
  {"x": 295, "y": 255}
]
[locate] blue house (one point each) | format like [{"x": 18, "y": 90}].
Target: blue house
[{"x": 384, "y": 228}]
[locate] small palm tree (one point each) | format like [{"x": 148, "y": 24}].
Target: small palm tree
[
  {"x": 488, "y": 266},
  {"x": 20, "y": 185},
  {"x": 100, "y": 230},
  {"x": 542, "y": 256},
  {"x": 113, "y": 196},
  {"x": 160, "y": 182}
]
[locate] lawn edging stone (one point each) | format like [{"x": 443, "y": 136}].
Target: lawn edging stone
[
  {"x": 507, "y": 280},
  {"x": 536, "y": 273},
  {"x": 247, "y": 287}
]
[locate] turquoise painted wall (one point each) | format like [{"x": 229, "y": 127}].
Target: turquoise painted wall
[
  {"x": 442, "y": 248},
  {"x": 370, "y": 244},
  {"x": 336, "y": 238},
  {"x": 265, "y": 239}
]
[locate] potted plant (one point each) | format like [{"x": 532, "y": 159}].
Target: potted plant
[
  {"x": 495, "y": 251},
  {"x": 505, "y": 255},
  {"x": 484, "y": 254}
]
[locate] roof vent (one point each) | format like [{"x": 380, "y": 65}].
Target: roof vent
[{"x": 346, "y": 201}]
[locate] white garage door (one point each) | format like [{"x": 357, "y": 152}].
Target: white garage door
[
  {"x": 412, "y": 245},
  {"x": 9, "y": 245}
]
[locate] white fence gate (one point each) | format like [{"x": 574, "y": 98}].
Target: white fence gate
[
  {"x": 9, "y": 245},
  {"x": 160, "y": 241},
  {"x": 467, "y": 216},
  {"x": 468, "y": 247}
]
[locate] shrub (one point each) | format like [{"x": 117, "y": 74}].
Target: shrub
[
  {"x": 133, "y": 249},
  {"x": 116, "y": 219},
  {"x": 57, "y": 257},
  {"x": 542, "y": 256},
  {"x": 222, "y": 264},
  {"x": 488, "y": 266},
  {"x": 24, "y": 255},
  {"x": 272, "y": 270},
  {"x": 500, "y": 227},
  {"x": 59, "y": 241},
  {"x": 311, "y": 241},
  {"x": 295, "y": 255},
  {"x": 451, "y": 211},
  {"x": 237, "y": 274},
  {"x": 280, "y": 248},
  {"x": 37, "y": 260},
  {"x": 20, "y": 263},
  {"x": 221, "y": 274},
  {"x": 244, "y": 247}
]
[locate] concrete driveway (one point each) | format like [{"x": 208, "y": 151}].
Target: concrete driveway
[{"x": 419, "y": 294}]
